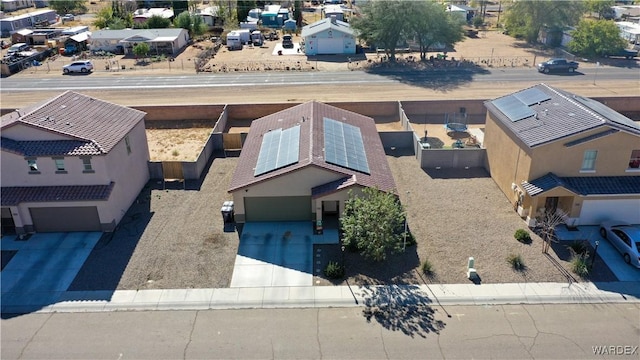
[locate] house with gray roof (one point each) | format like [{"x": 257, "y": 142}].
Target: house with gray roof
[
  {"x": 328, "y": 36},
  {"x": 71, "y": 163},
  {"x": 299, "y": 164},
  {"x": 549, "y": 149},
  {"x": 161, "y": 41}
]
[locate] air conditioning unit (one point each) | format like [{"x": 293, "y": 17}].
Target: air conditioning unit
[{"x": 514, "y": 186}]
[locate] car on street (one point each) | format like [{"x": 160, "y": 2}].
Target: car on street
[
  {"x": 625, "y": 238},
  {"x": 83, "y": 66},
  {"x": 557, "y": 65}
]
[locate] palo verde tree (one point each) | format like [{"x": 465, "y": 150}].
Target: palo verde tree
[
  {"x": 595, "y": 38},
  {"x": 372, "y": 223},
  {"x": 384, "y": 23},
  {"x": 68, "y": 6},
  {"x": 525, "y": 18},
  {"x": 430, "y": 24}
]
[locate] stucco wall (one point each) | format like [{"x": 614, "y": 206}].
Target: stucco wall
[{"x": 180, "y": 112}]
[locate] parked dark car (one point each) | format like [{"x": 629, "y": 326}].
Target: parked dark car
[
  {"x": 557, "y": 65},
  {"x": 625, "y": 53},
  {"x": 287, "y": 42}
]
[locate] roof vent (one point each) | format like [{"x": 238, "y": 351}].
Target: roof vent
[{"x": 571, "y": 114}]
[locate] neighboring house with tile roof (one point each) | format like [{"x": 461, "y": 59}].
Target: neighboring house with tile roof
[
  {"x": 299, "y": 164},
  {"x": 71, "y": 163},
  {"x": 161, "y": 41},
  {"x": 549, "y": 149}
]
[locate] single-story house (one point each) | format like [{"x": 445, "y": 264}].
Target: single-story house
[
  {"x": 549, "y": 149},
  {"x": 142, "y": 15},
  {"x": 161, "y": 41},
  {"x": 328, "y": 36},
  {"x": 299, "y": 164},
  {"x": 71, "y": 163},
  {"x": 210, "y": 16}
]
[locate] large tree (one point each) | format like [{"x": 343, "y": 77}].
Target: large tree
[
  {"x": 193, "y": 23},
  {"x": 600, "y": 7},
  {"x": 430, "y": 24},
  {"x": 384, "y": 24},
  {"x": 373, "y": 223},
  {"x": 526, "y": 18},
  {"x": 68, "y": 6},
  {"x": 596, "y": 37}
]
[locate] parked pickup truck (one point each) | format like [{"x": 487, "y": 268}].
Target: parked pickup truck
[
  {"x": 561, "y": 65},
  {"x": 625, "y": 53}
]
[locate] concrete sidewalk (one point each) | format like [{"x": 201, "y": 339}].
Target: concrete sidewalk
[{"x": 323, "y": 296}]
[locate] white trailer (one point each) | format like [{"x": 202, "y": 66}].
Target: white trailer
[{"x": 234, "y": 42}]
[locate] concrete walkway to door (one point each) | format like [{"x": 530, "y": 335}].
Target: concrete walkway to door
[{"x": 277, "y": 254}]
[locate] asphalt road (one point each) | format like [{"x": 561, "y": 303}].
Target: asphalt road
[
  {"x": 402, "y": 332},
  {"x": 143, "y": 89}
]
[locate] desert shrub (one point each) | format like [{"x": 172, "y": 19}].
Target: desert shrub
[
  {"x": 522, "y": 236},
  {"x": 427, "y": 267},
  {"x": 334, "y": 270},
  {"x": 577, "y": 248},
  {"x": 516, "y": 261},
  {"x": 579, "y": 265}
]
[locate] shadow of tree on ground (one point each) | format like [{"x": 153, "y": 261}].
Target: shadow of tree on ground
[{"x": 401, "y": 308}]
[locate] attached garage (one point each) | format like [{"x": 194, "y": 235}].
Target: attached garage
[
  {"x": 330, "y": 46},
  {"x": 61, "y": 219},
  {"x": 284, "y": 208},
  {"x": 596, "y": 211}
]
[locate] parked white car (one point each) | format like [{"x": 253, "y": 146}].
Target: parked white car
[
  {"x": 625, "y": 238},
  {"x": 84, "y": 66}
]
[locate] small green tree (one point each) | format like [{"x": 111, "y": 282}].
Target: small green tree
[
  {"x": 141, "y": 50},
  {"x": 430, "y": 24},
  {"x": 596, "y": 37},
  {"x": 68, "y": 6},
  {"x": 526, "y": 18},
  {"x": 192, "y": 23},
  {"x": 373, "y": 223},
  {"x": 157, "y": 22}
]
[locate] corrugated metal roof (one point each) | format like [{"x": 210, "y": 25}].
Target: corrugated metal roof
[
  {"x": 585, "y": 185},
  {"x": 563, "y": 115},
  {"x": 79, "y": 117},
  {"x": 310, "y": 118},
  {"x": 12, "y": 196}
]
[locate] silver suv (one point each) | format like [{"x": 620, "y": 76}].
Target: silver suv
[{"x": 83, "y": 66}]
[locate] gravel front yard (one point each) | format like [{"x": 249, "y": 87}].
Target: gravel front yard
[{"x": 174, "y": 238}]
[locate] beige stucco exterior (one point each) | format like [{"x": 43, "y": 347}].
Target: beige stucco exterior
[
  {"x": 511, "y": 163},
  {"x": 128, "y": 171}
]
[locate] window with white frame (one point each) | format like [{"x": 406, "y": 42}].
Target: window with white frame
[
  {"x": 634, "y": 160},
  {"x": 86, "y": 164},
  {"x": 589, "y": 160},
  {"x": 33, "y": 165},
  {"x": 128, "y": 144},
  {"x": 59, "y": 164}
]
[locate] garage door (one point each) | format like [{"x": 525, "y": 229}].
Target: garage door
[
  {"x": 330, "y": 46},
  {"x": 289, "y": 208},
  {"x": 55, "y": 219},
  {"x": 596, "y": 211}
]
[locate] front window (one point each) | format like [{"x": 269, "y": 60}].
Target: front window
[
  {"x": 128, "y": 144},
  {"x": 86, "y": 164},
  {"x": 33, "y": 165},
  {"x": 589, "y": 160},
  {"x": 59, "y": 164},
  {"x": 634, "y": 161}
]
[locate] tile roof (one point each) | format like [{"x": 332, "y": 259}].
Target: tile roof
[
  {"x": 563, "y": 115},
  {"x": 79, "y": 117},
  {"x": 310, "y": 117},
  {"x": 50, "y": 148},
  {"x": 12, "y": 196},
  {"x": 332, "y": 186},
  {"x": 585, "y": 185}
]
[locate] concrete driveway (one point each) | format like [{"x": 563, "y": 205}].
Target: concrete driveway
[
  {"x": 277, "y": 254},
  {"x": 43, "y": 265},
  {"x": 606, "y": 251}
]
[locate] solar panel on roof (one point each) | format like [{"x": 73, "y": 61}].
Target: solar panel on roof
[
  {"x": 343, "y": 146},
  {"x": 513, "y": 108},
  {"x": 279, "y": 148},
  {"x": 531, "y": 96}
]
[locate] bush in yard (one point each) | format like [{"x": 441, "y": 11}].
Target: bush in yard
[
  {"x": 577, "y": 248},
  {"x": 579, "y": 265},
  {"x": 334, "y": 270},
  {"x": 427, "y": 267},
  {"x": 522, "y": 236},
  {"x": 516, "y": 262}
]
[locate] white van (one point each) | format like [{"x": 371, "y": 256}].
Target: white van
[{"x": 15, "y": 48}]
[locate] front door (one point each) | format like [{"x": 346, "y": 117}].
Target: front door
[{"x": 551, "y": 204}]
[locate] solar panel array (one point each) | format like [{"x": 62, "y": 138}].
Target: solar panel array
[
  {"x": 279, "y": 148},
  {"x": 513, "y": 108},
  {"x": 532, "y": 96},
  {"x": 343, "y": 146}
]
